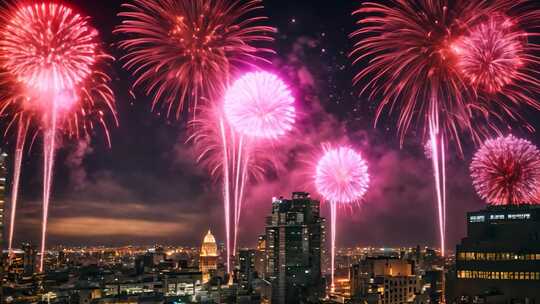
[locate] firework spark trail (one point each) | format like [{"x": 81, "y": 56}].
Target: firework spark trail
[
  {"x": 22, "y": 129},
  {"x": 437, "y": 147},
  {"x": 341, "y": 177},
  {"x": 450, "y": 67},
  {"x": 49, "y": 148},
  {"x": 226, "y": 192},
  {"x": 237, "y": 185}
]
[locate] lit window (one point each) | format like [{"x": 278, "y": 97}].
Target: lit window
[{"x": 477, "y": 218}]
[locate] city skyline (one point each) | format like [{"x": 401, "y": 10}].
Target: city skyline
[{"x": 147, "y": 188}]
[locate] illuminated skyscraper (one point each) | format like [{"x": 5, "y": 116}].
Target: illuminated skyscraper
[
  {"x": 208, "y": 257},
  {"x": 499, "y": 259},
  {"x": 295, "y": 236},
  {"x": 3, "y": 172}
]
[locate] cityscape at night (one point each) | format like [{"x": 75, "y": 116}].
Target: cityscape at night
[{"x": 270, "y": 151}]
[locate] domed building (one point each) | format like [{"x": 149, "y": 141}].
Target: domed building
[{"x": 208, "y": 257}]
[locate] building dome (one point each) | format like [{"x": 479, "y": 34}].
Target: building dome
[
  {"x": 209, "y": 246},
  {"x": 209, "y": 238}
]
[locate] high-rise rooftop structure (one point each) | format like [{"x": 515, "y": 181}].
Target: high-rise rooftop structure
[
  {"x": 295, "y": 237},
  {"x": 499, "y": 259},
  {"x": 385, "y": 280}
]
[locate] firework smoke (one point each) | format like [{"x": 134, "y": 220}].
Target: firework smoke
[
  {"x": 341, "y": 177},
  {"x": 183, "y": 51},
  {"x": 51, "y": 53},
  {"x": 506, "y": 170}
]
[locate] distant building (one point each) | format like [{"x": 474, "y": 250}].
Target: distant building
[
  {"x": 246, "y": 268},
  {"x": 384, "y": 280},
  {"x": 3, "y": 173},
  {"x": 260, "y": 257},
  {"x": 499, "y": 260},
  {"x": 295, "y": 236},
  {"x": 208, "y": 257},
  {"x": 29, "y": 259}
]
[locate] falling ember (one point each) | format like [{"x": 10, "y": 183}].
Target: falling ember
[
  {"x": 506, "y": 171},
  {"x": 260, "y": 105},
  {"x": 341, "y": 177},
  {"x": 183, "y": 52},
  {"x": 52, "y": 53}
]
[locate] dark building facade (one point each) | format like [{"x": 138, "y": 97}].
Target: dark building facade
[
  {"x": 499, "y": 260},
  {"x": 246, "y": 268},
  {"x": 295, "y": 236}
]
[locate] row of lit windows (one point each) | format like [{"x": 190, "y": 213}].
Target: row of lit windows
[
  {"x": 497, "y": 256},
  {"x": 515, "y": 216},
  {"x": 498, "y": 275}
]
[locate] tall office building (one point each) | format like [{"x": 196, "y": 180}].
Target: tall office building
[
  {"x": 208, "y": 257},
  {"x": 499, "y": 259},
  {"x": 3, "y": 173},
  {"x": 295, "y": 236}
]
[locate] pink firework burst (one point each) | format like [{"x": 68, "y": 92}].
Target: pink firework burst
[
  {"x": 342, "y": 175},
  {"x": 506, "y": 170},
  {"x": 260, "y": 105},
  {"x": 492, "y": 53},
  {"x": 183, "y": 51}
]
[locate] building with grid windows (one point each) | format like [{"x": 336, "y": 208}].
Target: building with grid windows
[{"x": 499, "y": 260}]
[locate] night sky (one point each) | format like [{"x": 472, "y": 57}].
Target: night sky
[{"x": 148, "y": 189}]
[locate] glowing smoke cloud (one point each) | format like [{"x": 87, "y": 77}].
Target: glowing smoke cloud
[
  {"x": 506, "y": 171},
  {"x": 341, "y": 177},
  {"x": 51, "y": 52}
]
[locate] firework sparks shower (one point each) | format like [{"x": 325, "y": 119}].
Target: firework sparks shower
[
  {"x": 52, "y": 53},
  {"x": 449, "y": 68},
  {"x": 341, "y": 177},
  {"x": 506, "y": 171}
]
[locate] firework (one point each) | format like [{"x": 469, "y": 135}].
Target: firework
[
  {"x": 50, "y": 54},
  {"x": 232, "y": 160},
  {"x": 341, "y": 177},
  {"x": 449, "y": 67},
  {"x": 260, "y": 105},
  {"x": 506, "y": 170},
  {"x": 183, "y": 51}
]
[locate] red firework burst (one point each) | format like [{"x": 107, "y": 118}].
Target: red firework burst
[
  {"x": 442, "y": 61},
  {"x": 506, "y": 171},
  {"x": 491, "y": 54},
  {"x": 183, "y": 50},
  {"x": 49, "y": 53}
]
